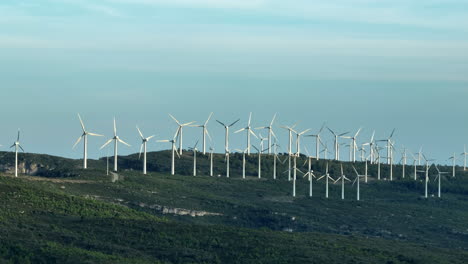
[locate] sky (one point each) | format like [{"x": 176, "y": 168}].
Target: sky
[{"x": 356, "y": 63}]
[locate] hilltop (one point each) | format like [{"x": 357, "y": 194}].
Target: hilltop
[{"x": 65, "y": 214}]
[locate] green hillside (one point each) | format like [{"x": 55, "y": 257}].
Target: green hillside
[{"x": 82, "y": 216}]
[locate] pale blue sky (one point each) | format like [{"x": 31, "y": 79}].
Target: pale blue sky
[{"x": 376, "y": 64}]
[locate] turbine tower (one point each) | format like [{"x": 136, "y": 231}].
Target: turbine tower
[
  {"x": 270, "y": 133},
  {"x": 249, "y": 131},
  {"x": 17, "y": 146},
  {"x": 290, "y": 131},
  {"x": 180, "y": 131},
  {"x": 143, "y": 148},
  {"x": 311, "y": 175},
  {"x": 337, "y": 146},
  {"x": 205, "y": 132},
  {"x": 243, "y": 161},
  {"x": 326, "y": 176},
  {"x": 427, "y": 174},
  {"x": 116, "y": 140},
  {"x": 259, "y": 151},
  {"x": 84, "y": 136},
  {"x": 211, "y": 161},
  {"x": 226, "y": 128}
]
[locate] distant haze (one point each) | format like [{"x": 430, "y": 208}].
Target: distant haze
[{"x": 376, "y": 64}]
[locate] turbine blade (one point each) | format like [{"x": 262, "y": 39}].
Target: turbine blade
[
  {"x": 251, "y": 131},
  {"x": 139, "y": 132},
  {"x": 233, "y": 123},
  {"x": 240, "y": 130},
  {"x": 115, "y": 128},
  {"x": 107, "y": 143},
  {"x": 206, "y": 122},
  {"x": 77, "y": 141},
  {"x": 21, "y": 147},
  {"x": 174, "y": 119},
  {"x": 221, "y": 123},
  {"x": 355, "y": 171},
  {"x": 273, "y": 120},
  {"x": 208, "y": 134},
  {"x": 150, "y": 137},
  {"x": 81, "y": 122},
  {"x": 94, "y": 134},
  {"x": 123, "y": 142},
  {"x": 250, "y": 118}
]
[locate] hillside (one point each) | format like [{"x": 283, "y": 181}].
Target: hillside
[{"x": 81, "y": 216}]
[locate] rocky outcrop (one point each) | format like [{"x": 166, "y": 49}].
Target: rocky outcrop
[{"x": 178, "y": 211}]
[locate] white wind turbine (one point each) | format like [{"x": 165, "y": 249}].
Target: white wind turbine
[
  {"x": 318, "y": 141},
  {"x": 342, "y": 178},
  {"x": 174, "y": 151},
  {"x": 205, "y": 132},
  {"x": 310, "y": 172},
  {"x": 464, "y": 154},
  {"x": 180, "y": 131},
  {"x": 371, "y": 145},
  {"x": 84, "y": 136},
  {"x": 353, "y": 146},
  {"x": 298, "y": 141},
  {"x": 143, "y": 148},
  {"x": 427, "y": 174},
  {"x": 17, "y": 147},
  {"x": 270, "y": 133},
  {"x": 260, "y": 151},
  {"x": 415, "y": 166},
  {"x": 326, "y": 176},
  {"x": 389, "y": 148},
  {"x": 295, "y": 170},
  {"x": 454, "y": 160},
  {"x": 249, "y": 131},
  {"x": 337, "y": 146},
  {"x": 404, "y": 161},
  {"x": 325, "y": 149},
  {"x": 194, "y": 149},
  {"x": 439, "y": 175},
  {"x": 227, "y": 163},
  {"x": 116, "y": 140},
  {"x": 226, "y": 128},
  {"x": 356, "y": 180},
  {"x": 378, "y": 158},
  {"x": 275, "y": 158}
]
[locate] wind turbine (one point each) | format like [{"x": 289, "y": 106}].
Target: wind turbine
[
  {"x": 325, "y": 149},
  {"x": 439, "y": 175},
  {"x": 318, "y": 141},
  {"x": 270, "y": 133},
  {"x": 356, "y": 180},
  {"x": 116, "y": 140},
  {"x": 295, "y": 170},
  {"x": 143, "y": 147},
  {"x": 342, "y": 178},
  {"x": 454, "y": 159},
  {"x": 226, "y": 128},
  {"x": 310, "y": 172},
  {"x": 427, "y": 174},
  {"x": 464, "y": 154},
  {"x": 17, "y": 146},
  {"x": 180, "y": 131},
  {"x": 326, "y": 176},
  {"x": 337, "y": 146},
  {"x": 84, "y": 136},
  {"x": 414, "y": 165},
  {"x": 227, "y": 163},
  {"x": 259, "y": 151},
  {"x": 205, "y": 132},
  {"x": 371, "y": 145},
  {"x": 377, "y": 151},
  {"x": 249, "y": 131},
  {"x": 298, "y": 140},
  {"x": 275, "y": 158},
  {"x": 290, "y": 131},
  {"x": 174, "y": 151},
  {"x": 194, "y": 149},
  {"x": 404, "y": 160},
  {"x": 353, "y": 146},
  {"x": 389, "y": 149}
]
